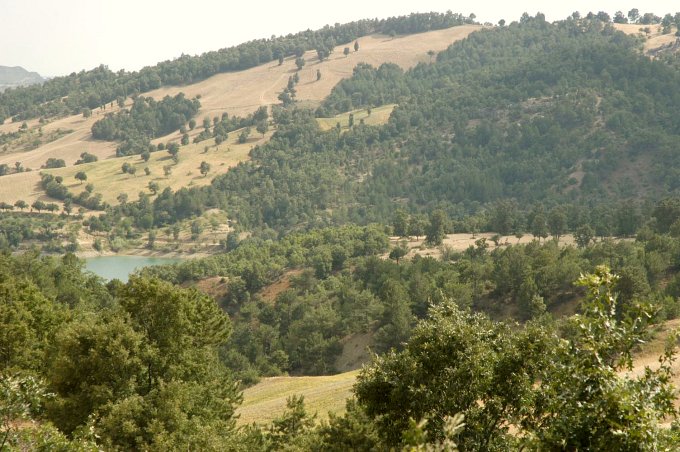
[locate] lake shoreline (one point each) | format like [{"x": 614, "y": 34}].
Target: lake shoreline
[
  {"x": 138, "y": 252},
  {"x": 121, "y": 267}
]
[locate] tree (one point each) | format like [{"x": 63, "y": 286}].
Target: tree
[
  {"x": 281, "y": 58},
  {"x": 350, "y": 120},
  {"x": 206, "y": 123},
  {"x": 416, "y": 226},
  {"x": 431, "y": 54},
  {"x": 398, "y": 252},
  {"x": 122, "y": 198},
  {"x": 345, "y": 51},
  {"x": 588, "y": 398},
  {"x": 167, "y": 170},
  {"x": 243, "y": 136},
  {"x": 147, "y": 170},
  {"x": 38, "y": 205},
  {"x": 262, "y": 127},
  {"x": 204, "y": 168},
  {"x": 557, "y": 222},
  {"x": 634, "y": 15},
  {"x": 185, "y": 139},
  {"x": 192, "y": 124},
  {"x": 400, "y": 222},
  {"x": 55, "y": 163},
  {"x": 153, "y": 187},
  {"x": 146, "y": 155},
  {"x": 196, "y": 229},
  {"x": 299, "y": 63},
  {"x": 132, "y": 170},
  {"x": 173, "y": 149},
  {"x": 436, "y": 230},
  {"x": 89, "y": 188},
  {"x": 539, "y": 225},
  {"x": 472, "y": 366},
  {"x": 620, "y": 18},
  {"x": 356, "y": 46},
  {"x": 81, "y": 176},
  {"x": 318, "y": 75},
  {"x": 125, "y": 167},
  {"x": 87, "y": 113},
  {"x": 21, "y": 204},
  {"x": 583, "y": 236}
]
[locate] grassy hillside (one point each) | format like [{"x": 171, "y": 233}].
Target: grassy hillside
[
  {"x": 236, "y": 93},
  {"x": 378, "y": 116},
  {"x": 267, "y": 399},
  {"x": 109, "y": 180}
]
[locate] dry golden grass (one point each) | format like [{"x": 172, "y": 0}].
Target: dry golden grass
[
  {"x": 656, "y": 38},
  {"x": 267, "y": 400},
  {"x": 109, "y": 180},
  {"x": 240, "y": 93},
  {"x": 649, "y": 353},
  {"x": 379, "y": 115}
]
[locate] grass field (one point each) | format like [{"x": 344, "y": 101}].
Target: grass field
[
  {"x": 109, "y": 180},
  {"x": 379, "y": 115},
  {"x": 267, "y": 399}
]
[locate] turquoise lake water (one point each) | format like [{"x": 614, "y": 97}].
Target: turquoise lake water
[{"x": 110, "y": 267}]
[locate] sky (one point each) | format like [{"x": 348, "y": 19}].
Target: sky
[{"x": 57, "y": 37}]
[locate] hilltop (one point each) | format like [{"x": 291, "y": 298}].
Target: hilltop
[{"x": 11, "y": 77}]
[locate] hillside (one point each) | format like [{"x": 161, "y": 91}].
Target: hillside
[
  {"x": 577, "y": 117},
  {"x": 11, "y": 77},
  {"x": 235, "y": 93}
]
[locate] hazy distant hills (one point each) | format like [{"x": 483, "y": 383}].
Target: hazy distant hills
[{"x": 17, "y": 76}]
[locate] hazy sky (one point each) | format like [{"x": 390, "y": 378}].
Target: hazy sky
[{"x": 57, "y": 37}]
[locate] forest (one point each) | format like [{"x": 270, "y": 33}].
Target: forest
[{"x": 532, "y": 127}]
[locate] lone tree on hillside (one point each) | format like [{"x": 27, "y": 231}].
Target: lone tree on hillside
[
  {"x": 431, "y": 54},
  {"x": 318, "y": 75},
  {"x": 262, "y": 127},
  {"x": 346, "y": 51},
  {"x": 398, "y": 252},
  {"x": 21, "y": 204},
  {"x": 81, "y": 176},
  {"x": 356, "y": 46},
  {"x": 299, "y": 62},
  {"x": 204, "y": 168},
  {"x": 153, "y": 187},
  {"x": 436, "y": 230}
]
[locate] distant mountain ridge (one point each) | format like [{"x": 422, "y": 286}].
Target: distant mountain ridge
[{"x": 17, "y": 76}]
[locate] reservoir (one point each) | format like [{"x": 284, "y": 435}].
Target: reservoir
[{"x": 110, "y": 267}]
